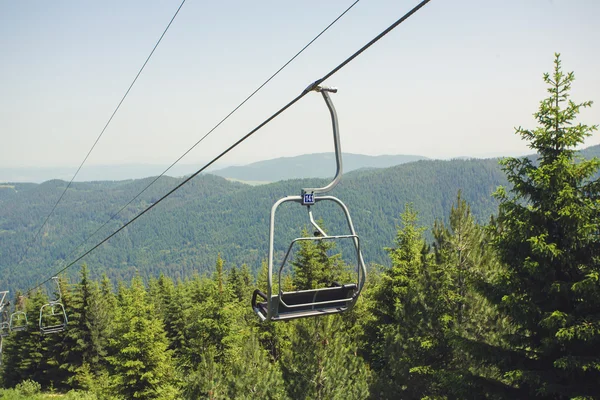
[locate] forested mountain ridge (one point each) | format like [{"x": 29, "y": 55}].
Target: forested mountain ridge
[{"x": 211, "y": 215}]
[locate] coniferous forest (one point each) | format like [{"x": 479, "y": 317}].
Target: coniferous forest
[{"x": 502, "y": 309}]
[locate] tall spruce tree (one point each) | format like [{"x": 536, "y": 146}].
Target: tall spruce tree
[
  {"x": 546, "y": 236},
  {"x": 314, "y": 265},
  {"x": 142, "y": 365},
  {"x": 463, "y": 258},
  {"x": 408, "y": 335},
  {"x": 251, "y": 374},
  {"x": 320, "y": 359},
  {"x": 459, "y": 252},
  {"x": 75, "y": 344}
]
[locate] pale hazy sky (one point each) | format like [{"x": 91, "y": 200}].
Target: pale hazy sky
[{"x": 454, "y": 80}]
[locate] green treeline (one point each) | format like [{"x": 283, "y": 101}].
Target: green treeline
[{"x": 509, "y": 309}]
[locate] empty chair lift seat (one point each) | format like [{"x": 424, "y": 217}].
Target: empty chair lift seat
[{"x": 306, "y": 303}]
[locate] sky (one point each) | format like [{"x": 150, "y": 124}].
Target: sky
[{"x": 454, "y": 80}]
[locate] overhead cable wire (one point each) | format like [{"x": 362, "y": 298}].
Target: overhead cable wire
[
  {"x": 242, "y": 139},
  {"x": 103, "y": 129},
  {"x": 215, "y": 127}
]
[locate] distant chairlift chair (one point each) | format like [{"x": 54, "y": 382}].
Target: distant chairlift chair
[
  {"x": 4, "y": 318},
  {"x": 321, "y": 301},
  {"x": 18, "y": 319},
  {"x": 53, "y": 317}
]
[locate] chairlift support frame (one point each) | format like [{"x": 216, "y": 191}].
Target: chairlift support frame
[
  {"x": 57, "y": 310},
  {"x": 4, "y": 318},
  {"x": 4, "y": 325},
  {"x": 321, "y": 301}
]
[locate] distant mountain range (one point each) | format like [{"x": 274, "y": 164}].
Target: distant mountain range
[
  {"x": 320, "y": 165},
  {"x": 92, "y": 172},
  {"x": 305, "y": 166}
]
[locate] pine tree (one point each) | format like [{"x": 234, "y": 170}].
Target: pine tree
[
  {"x": 313, "y": 265},
  {"x": 207, "y": 380},
  {"x": 251, "y": 374},
  {"x": 463, "y": 258},
  {"x": 546, "y": 238},
  {"x": 142, "y": 364},
  {"x": 321, "y": 362},
  {"x": 103, "y": 313},
  {"x": 459, "y": 252},
  {"x": 75, "y": 343},
  {"x": 177, "y": 317},
  {"x": 409, "y": 334},
  {"x": 219, "y": 278},
  {"x": 241, "y": 282},
  {"x": 211, "y": 318}
]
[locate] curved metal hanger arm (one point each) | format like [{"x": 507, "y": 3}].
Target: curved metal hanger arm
[{"x": 337, "y": 146}]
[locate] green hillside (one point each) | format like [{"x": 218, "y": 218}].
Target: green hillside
[{"x": 211, "y": 215}]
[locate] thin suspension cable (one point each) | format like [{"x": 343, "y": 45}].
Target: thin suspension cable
[
  {"x": 215, "y": 127},
  {"x": 242, "y": 139},
  {"x": 103, "y": 129}
]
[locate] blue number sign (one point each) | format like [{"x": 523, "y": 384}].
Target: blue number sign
[{"x": 309, "y": 198}]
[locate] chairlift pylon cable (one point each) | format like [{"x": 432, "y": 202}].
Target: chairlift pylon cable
[
  {"x": 101, "y": 133},
  {"x": 213, "y": 128},
  {"x": 242, "y": 139}
]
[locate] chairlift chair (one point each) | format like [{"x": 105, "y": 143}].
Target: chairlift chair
[
  {"x": 18, "y": 321},
  {"x": 337, "y": 297},
  {"x": 4, "y": 329},
  {"x": 53, "y": 317}
]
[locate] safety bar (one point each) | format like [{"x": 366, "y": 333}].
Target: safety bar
[
  {"x": 287, "y": 254},
  {"x": 314, "y": 223},
  {"x": 318, "y": 303},
  {"x": 256, "y": 293}
]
